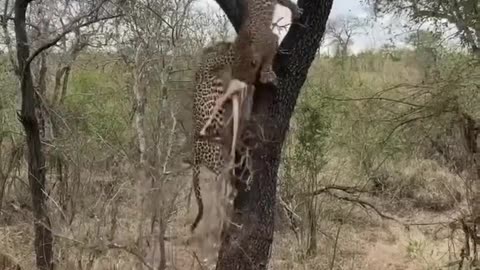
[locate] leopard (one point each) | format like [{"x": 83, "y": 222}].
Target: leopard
[
  {"x": 217, "y": 62},
  {"x": 211, "y": 79},
  {"x": 253, "y": 52}
]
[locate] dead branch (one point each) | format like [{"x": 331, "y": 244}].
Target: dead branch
[
  {"x": 376, "y": 98},
  {"x": 366, "y": 205},
  {"x": 350, "y": 190}
]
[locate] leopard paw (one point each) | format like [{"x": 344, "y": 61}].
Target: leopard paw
[{"x": 268, "y": 77}]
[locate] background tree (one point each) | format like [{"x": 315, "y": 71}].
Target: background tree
[
  {"x": 341, "y": 30},
  {"x": 462, "y": 14},
  {"x": 428, "y": 48},
  {"x": 32, "y": 119},
  {"x": 312, "y": 125}
]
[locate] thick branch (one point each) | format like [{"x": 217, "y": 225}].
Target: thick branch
[{"x": 234, "y": 9}]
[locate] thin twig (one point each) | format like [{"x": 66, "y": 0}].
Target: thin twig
[
  {"x": 335, "y": 247},
  {"x": 198, "y": 260},
  {"x": 324, "y": 189}
]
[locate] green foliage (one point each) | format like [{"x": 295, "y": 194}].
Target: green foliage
[
  {"x": 98, "y": 105},
  {"x": 415, "y": 248},
  {"x": 366, "y": 119},
  {"x": 313, "y": 126},
  {"x": 9, "y": 125}
]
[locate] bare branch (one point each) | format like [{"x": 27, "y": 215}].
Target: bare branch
[
  {"x": 64, "y": 33},
  {"x": 326, "y": 189},
  {"x": 365, "y": 205},
  {"x": 376, "y": 98}
]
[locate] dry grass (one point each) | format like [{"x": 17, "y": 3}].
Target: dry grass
[
  {"x": 385, "y": 247},
  {"x": 104, "y": 232},
  {"x": 421, "y": 184}
]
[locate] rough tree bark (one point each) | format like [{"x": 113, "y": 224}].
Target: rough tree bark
[
  {"x": 249, "y": 246},
  {"x": 36, "y": 160}
]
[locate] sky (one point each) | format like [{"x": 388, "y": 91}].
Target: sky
[{"x": 372, "y": 36}]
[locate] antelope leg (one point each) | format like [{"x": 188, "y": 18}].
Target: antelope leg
[{"x": 236, "y": 120}]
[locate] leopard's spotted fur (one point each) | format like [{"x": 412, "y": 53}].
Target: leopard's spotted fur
[{"x": 211, "y": 79}]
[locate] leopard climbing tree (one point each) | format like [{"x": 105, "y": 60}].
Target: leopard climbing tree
[{"x": 211, "y": 78}]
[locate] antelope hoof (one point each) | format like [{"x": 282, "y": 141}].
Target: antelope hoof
[{"x": 237, "y": 84}]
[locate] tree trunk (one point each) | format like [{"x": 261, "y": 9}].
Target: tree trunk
[
  {"x": 36, "y": 160},
  {"x": 249, "y": 247},
  {"x": 471, "y": 132},
  {"x": 312, "y": 227},
  {"x": 311, "y": 204},
  {"x": 162, "y": 224}
]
